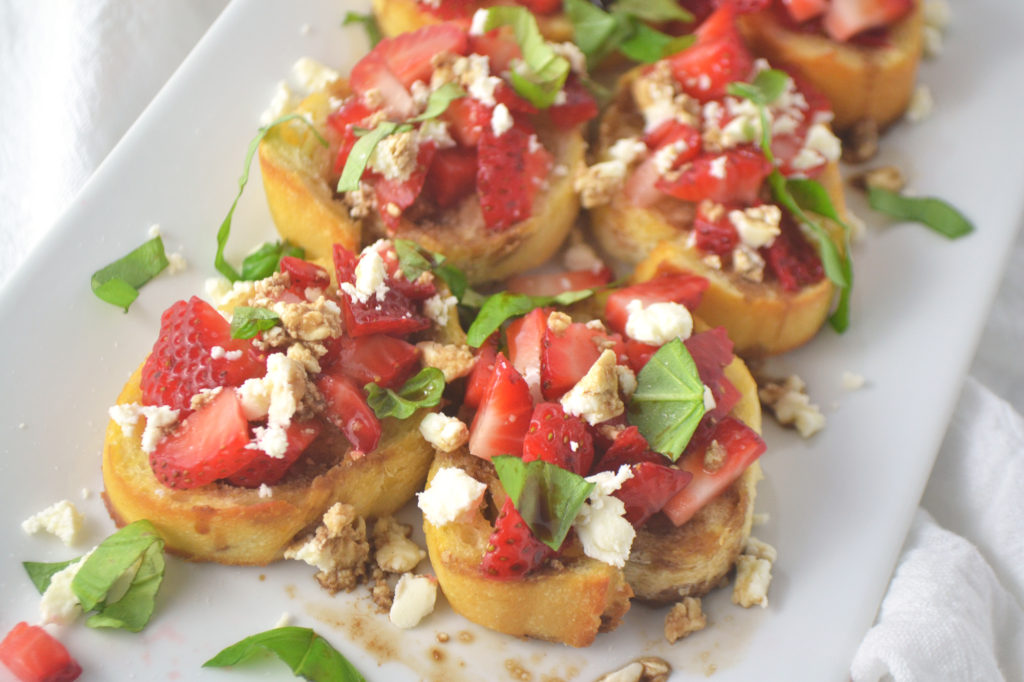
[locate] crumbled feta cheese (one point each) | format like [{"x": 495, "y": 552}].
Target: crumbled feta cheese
[
  {"x": 474, "y": 73},
  {"x": 601, "y": 525},
  {"x": 445, "y": 433},
  {"x": 572, "y": 54},
  {"x": 61, "y": 519},
  {"x": 310, "y": 75},
  {"x": 753, "y": 576},
  {"x": 281, "y": 102},
  {"x": 276, "y": 396},
  {"x": 658, "y": 323},
  {"x": 709, "y": 399},
  {"x": 176, "y": 263},
  {"x": 59, "y": 605},
  {"x": 395, "y": 552},
  {"x": 821, "y": 146},
  {"x": 454, "y": 361},
  {"x": 791, "y": 405},
  {"x": 338, "y": 548},
  {"x": 438, "y": 307},
  {"x": 451, "y": 493},
  {"x": 852, "y": 381},
  {"x": 757, "y": 226},
  {"x": 394, "y": 157},
  {"x": 370, "y": 277},
  {"x": 582, "y": 257},
  {"x": 265, "y": 491},
  {"x": 159, "y": 420},
  {"x": 684, "y": 618},
  {"x": 628, "y": 150},
  {"x": 595, "y": 397},
  {"x": 435, "y": 130},
  {"x": 717, "y": 169},
  {"x": 478, "y": 26},
  {"x": 414, "y": 600},
  {"x": 627, "y": 380},
  {"x": 921, "y": 104},
  {"x": 599, "y": 183},
  {"x": 501, "y": 120},
  {"x": 558, "y": 322},
  {"x": 759, "y": 549}
]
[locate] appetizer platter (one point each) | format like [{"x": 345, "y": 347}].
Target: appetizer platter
[{"x": 834, "y": 505}]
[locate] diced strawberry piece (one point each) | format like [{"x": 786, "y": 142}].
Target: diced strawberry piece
[
  {"x": 449, "y": 9},
  {"x": 541, "y": 6},
  {"x": 483, "y": 372},
  {"x": 559, "y": 439},
  {"x": 351, "y": 114},
  {"x": 712, "y": 352},
  {"x": 503, "y": 417},
  {"x": 567, "y": 356},
  {"x": 305, "y": 275},
  {"x": 792, "y": 259},
  {"x": 371, "y": 74},
  {"x": 346, "y": 408},
  {"x": 746, "y": 6},
  {"x": 578, "y": 108},
  {"x": 378, "y": 358},
  {"x": 629, "y": 447},
  {"x": 394, "y": 196},
  {"x": 467, "y": 117},
  {"x": 409, "y": 56},
  {"x": 715, "y": 234},
  {"x": 638, "y": 353},
  {"x": 554, "y": 283},
  {"x": 802, "y": 10},
  {"x": 651, "y": 487},
  {"x": 642, "y": 184},
  {"x": 269, "y": 470},
  {"x": 418, "y": 290},
  {"x": 673, "y": 132},
  {"x": 734, "y": 176},
  {"x": 846, "y": 18},
  {"x": 740, "y": 446},
  {"x": 499, "y": 50},
  {"x": 682, "y": 288},
  {"x": 34, "y": 655},
  {"x": 512, "y": 550},
  {"x": 209, "y": 444},
  {"x": 511, "y": 169},
  {"x": 524, "y": 336},
  {"x": 393, "y": 315},
  {"x": 506, "y": 94},
  {"x": 181, "y": 363},
  {"x": 718, "y": 58},
  {"x": 345, "y": 262},
  {"x": 452, "y": 175}
]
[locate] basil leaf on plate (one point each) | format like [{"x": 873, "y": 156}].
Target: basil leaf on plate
[
  {"x": 423, "y": 390},
  {"x": 40, "y": 573},
  {"x": 368, "y": 22},
  {"x": 929, "y": 211},
  {"x": 119, "y": 282},
  {"x": 304, "y": 651}
]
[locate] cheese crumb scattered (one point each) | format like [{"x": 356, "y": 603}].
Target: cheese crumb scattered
[
  {"x": 61, "y": 519},
  {"x": 501, "y": 120},
  {"x": 395, "y": 552},
  {"x": 684, "y": 618},
  {"x": 921, "y": 104},
  {"x": 451, "y": 493},
  {"x": 445, "y": 433},
  {"x": 658, "y": 323},
  {"x": 415, "y": 596},
  {"x": 791, "y": 405},
  {"x": 753, "y": 576},
  {"x": 852, "y": 381}
]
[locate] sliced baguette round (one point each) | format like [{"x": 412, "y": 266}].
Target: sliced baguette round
[
  {"x": 569, "y": 601},
  {"x": 861, "y": 82},
  {"x": 233, "y": 525},
  {"x": 401, "y": 16}
]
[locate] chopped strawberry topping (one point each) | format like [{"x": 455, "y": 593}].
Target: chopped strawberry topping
[
  {"x": 504, "y": 414},
  {"x": 846, "y": 18},
  {"x": 498, "y": 49},
  {"x": 483, "y": 372},
  {"x": 452, "y": 175},
  {"x": 409, "y": 56},
  {"x": 345, "y": 120},
  {"x": 394, "y": 314},
  {"x": 578, "y": 108},
  {"x": 792, "y": 259},
  {"x": 377, "y": 358},
  {"x": 346, "y": 408},
  {"x": 715, "y": 234},
  {"x": 629, "y": 447},
  {"x": 264, "y": 469},
  {"x": 718, "y": 58},
  {"x": 467, "y": 117},
  {"x": 566, "y": 356},
  {"x": 524, "y": 336},
  {"x": 802, "y": 10},
  {"x": 541, "y": 6},
  {"x": 735, "y": 175},
  {"x": 511, "y": 169},
  {"x": 209, "y": 444},
  {"x": 396, "y": 195},
  {"x": 512, "y": 550},
  {"x": 682, "y": 288},
  {"x": 371, "y": 75},
  {"x": 34, "y": 655},
  {"x": 304, "y": 275},
  {"x": 182, "y": 361},
  {"x": 651, "y": 487},
  {"x": 559, "y": 439},
  {"x": 685, "y": 137}
]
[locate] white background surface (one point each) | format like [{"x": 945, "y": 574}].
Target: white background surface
[{"x": 75, "y": 78}]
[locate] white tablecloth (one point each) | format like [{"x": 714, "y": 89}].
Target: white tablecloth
[{"x": 75, "y": 75}]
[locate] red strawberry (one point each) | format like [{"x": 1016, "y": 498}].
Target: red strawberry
[
  {"x": 209, "y": 444},
  {"x": 559, "y": 439},
  {"x": 746, "y": 6},
  {"x": 371, "y": 74},
  {"x": 638, "y": 353},
  {"x": 712, "y": 352},
  {"x": 304, "y": 275},
  {"x": 379, "y": 358},
  {"x": 718, "y": 58},
  {"x": 671, "y": 132},
  {"x": 741, "y": 446},
  {"x": 266, "y": 469},
  {"x": 682, "y": 288},
  {"x": 735, "y": 175},
  {"x": 499, "y": 50},
  {"x": 641, "y": 186},
  {"x": 802, "y": 10},
  {"x": 345, "y": 120},
  {"x": 792, "y": 259},
  {"x": 650, "y": 488},
  {"x": 346, "y": 408},
  {"x": 409, "y": 56},
  {"x": 467, "y": 117},
  {"x": 524, "y": 336},
  {"x": 554, "y": 283},
  {"x": 568, "y": 355},
  {"x": 34, "y": 655},
  {"x": 846, "y": 18},
  {"x": 483, "y": 372},
  {"x": 541, "y": 6},
  {"x": 503, "y": 417},
  {"x": 715, "y": 234},
  {"x": 449, "y": 9},
  {"x": 393, "y": 315},
  {"x": 394, "y": 196},
  {"x": 578, "y": 108},
  {"x": 452, "y": 175},
  {"x": 511, "y": 169},
  {"x": 512, "y": 550},
  {"x": 629, "y": 447},
  {"x": 181, "y": 363},
  {"x": 416, "y": 290}
]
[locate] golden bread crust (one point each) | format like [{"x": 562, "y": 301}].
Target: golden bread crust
[
  {"x": 401, "y": 16},
  {"x": 232, "y": 525},
  {"x": 861, "y": 82}
]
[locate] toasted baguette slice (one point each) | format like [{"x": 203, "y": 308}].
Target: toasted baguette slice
[
  {"x": 402, "y": 16},
  {"x": 668, "y": 562},
  {"x": 568, "y": 602},
  {"x": 861, "y": 82},
  {"x": 307, "y": 212},
  {"x": 232, "y": 525}
]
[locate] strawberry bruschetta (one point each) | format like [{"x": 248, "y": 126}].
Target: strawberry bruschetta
[
  {"x": 241, "y": 429},
  {"x": 685, "y": 165},
  {"x": 861, "y": 54},
  {"x": 402, "y": 16},
  {"x": 446, "y": 137},
  {"x": 589, "y": 477}
]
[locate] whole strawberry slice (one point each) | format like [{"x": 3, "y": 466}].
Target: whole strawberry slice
[
  {"x": 682, "y": 288},
  {"x": 503, "y": 417},
  {"x": 558, "y": 438},
  {"x": 209, "y": 444},
  {"x": 266, "y": 469},
  {"x": 735, "y": 175},
  {"x": 512, "y": 550},
  {"x": 183, "y": 360},
  {"x": 510, "y": 171},
  {"x": 567, "y": 355},
  {"x": 346, "y": 408}
]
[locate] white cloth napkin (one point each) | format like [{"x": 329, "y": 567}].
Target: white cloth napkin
[{"x": 74, "y": 77}]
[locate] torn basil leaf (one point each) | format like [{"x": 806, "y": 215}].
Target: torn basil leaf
[
  {"x": 547, "y": 496},
  {"x": 423, "y": 390},
  {"x": 304, "y": 651},
  {"x": 542, "y": 72},
  {"x": 438, "y": 102},
  {"x": 931, "y": 212},
  {"x": 247, "y": 321},
  {"x": 265, "y": 261},
  {"x": 505, "y": 305},
  {"x": 41, "y": 573},
  {"x": 357, "y": 159},
  {"x": 368, "y": 22},
  {"x": 119, "y": 282}
]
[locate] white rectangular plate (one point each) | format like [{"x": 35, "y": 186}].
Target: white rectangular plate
[{"x": 839, "y": 503}]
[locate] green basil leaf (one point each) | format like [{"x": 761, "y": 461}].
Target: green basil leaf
[
  {"x": 307, "y": 654},
  {"x": 765, "y": 89},
  {"x": 540, "y": 75},
  {"x": 810, "y": 195},
  {"x": 547, "y": 496},
  {"x": 505, "y": 305},
  {"x": 111, "y": 559},
  {"x": 455, "y": 280},
  {"x": 41, "y": 573},
  {"x": 929, "y": 211},
  {"x": 438, "y": 101},
  {"x": 247, "y": 322},
  {"x": 119, "y": 282},
  {"x": 414, "y": 260},
  {"x": 647, "y": 45},
  {"x": 411, "y": 260},
  {"x": 133, "y": 610},
  {"x": 221, "y": 263},
  {"x": 369, "y": 23},
  {"x": 423, "y": 390},
  {"x": 656, "y": 11},
  {"x": 362, "y": 150},
  {"x": 593, "y": 28},
  {"x": 669, "y": 400},
  {"x": 265, "y": 261}
]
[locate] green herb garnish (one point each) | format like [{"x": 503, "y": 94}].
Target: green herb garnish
[
  {"x": 265, "y": 261},
  {"x": 221, "y": 263},
  {"x": 929, "y": 211},
  {"x": 137, "y": 551},
  {"x": 547, "y": 496},
  {"x": 423, "y": 390},
  {"x": 505, "y": 305},
  {"x": 438, "y": 101},
  {"x": 669, "y": 400},
  {"x": 368, "y": 22},
  {"x": 307, "y": 654},
  {"x": 414, "y": 260},
  {"x": 247, "y": 321},
  {"x": 599, "y": 33},
  {"x": 119, "y": 282},
  {"x": 542, "y": 72}
]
